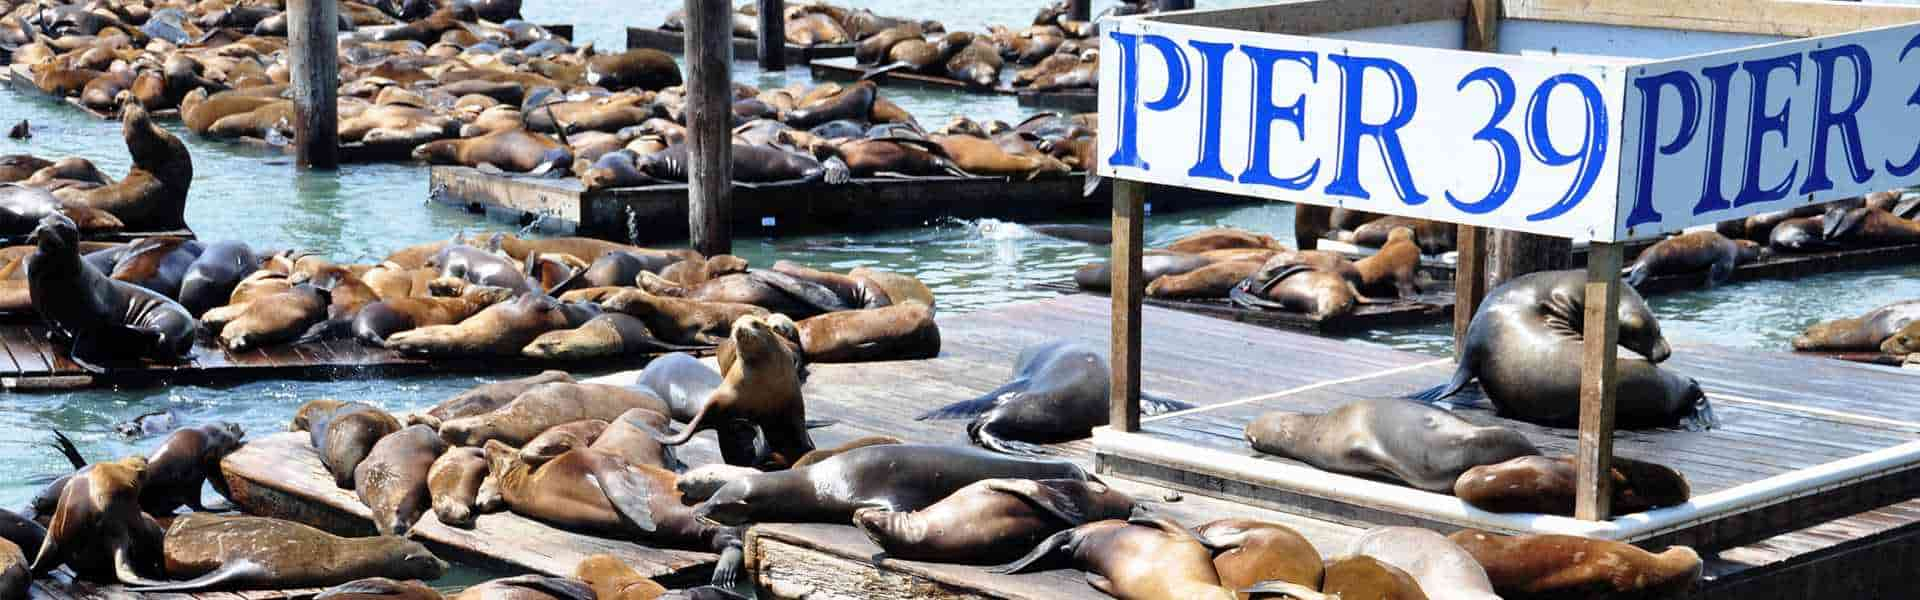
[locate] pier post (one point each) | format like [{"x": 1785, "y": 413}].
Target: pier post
[
  {"x": 1167, "y": 5},
  {"x": 709, "y": 54},
  {"x": 1469, "y": 282},
  {"x": 772, "y": 43},
  {"x": 312, "y": 29},
  {"x": 1593, "y": 488},
  {"x": 1127, "y": 287},
  {"x": 1080, "y": 10},
  {"x": 1511, "y": 254}
]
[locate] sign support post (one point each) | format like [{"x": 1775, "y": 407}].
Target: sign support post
[
  {"x": 1127, "y": 287},
  {"x": 1593, "y": 488}
]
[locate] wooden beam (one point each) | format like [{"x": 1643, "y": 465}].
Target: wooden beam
[
  {"x": 1511, "y": 254},
  {"x": 1080, "y": 10},
  {"x": 1309, "y": 17},
  {"x": 1483, "y": 26},
  {"x": 1128, "y": 287},
  {"x": 1593, "y": 488},
  {"x": 709, "y": 53},
  {"x": 1171, "y": 5},
  {"x": 312, "y": 29},
  {"x": 1469, "y": 282},
  {"x": 773, "y": 35},
  {"x": 1790, "y": 18}
]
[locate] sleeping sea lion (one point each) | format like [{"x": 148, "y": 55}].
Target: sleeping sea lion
[
  {"x": 610, "y": 334},
  {"x": 345, "y": 434},
  {"x": 455, "y": 483},
  {"x": 679, "y": 320},
  {"x": 559, "y": 439},
  {"x": 1538, "y": 484},
  {"x": 1058, "y": 394},
  {"x": 528, "y": 587},
  {"x": 1349, "y": 577},
  {"x": 1866, "y": 332},
  {"x": 612, "y": 579},
  {"x": 898, "y": 477},
  {"x": 1444, "y": 570},
  {"x": 206, "y": 551},
  {"x": 1132, "y": 560},
  {"x": 1423, "y": 446},
  {"x": 499, "y": 330},
  {"x": 392, "y": 481},
  {"x": 1246, "y": 552},
  {"x": 1565, "y": 567},
  {"x": 511, "y": 150},
  {"x": 544, "y": 406},
  {"x": 1692, "y": 252},
  {"x": 898, "y": 332},
  {"x": 991, "y": 521},
  {"x": 485, "y": 398},
  {"x": 634, "y": 438}
]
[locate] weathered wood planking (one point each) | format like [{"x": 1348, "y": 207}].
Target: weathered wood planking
[
  {"x": 744, "y": 48},
  {"x": 848, "y": 69},
  {"x": 1790, "y": 266},
  {"x": 1432, "y": 307}
]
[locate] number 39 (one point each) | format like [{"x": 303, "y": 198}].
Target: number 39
[{"x": 1591, "y": 155}]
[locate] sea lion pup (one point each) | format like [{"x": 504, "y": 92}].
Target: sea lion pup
[
  {"x": 592, "y": 491},
  {"x": 899, "y": 332},
  {"x": 1569, "y": 567},
  {"x": 485, "y": 398},
  {"x": 1246, "y": 552},
  {"x": 1538, "y": 484},
  {"x": 991, "y": 521},
  {"x": 612, "y": 579},
  {"x": 153, "y": 195},
  {"x": 899, "y": 477},
  {"x": 1058, "y": 394},
  {"x": 1443, "y": 569},
  {"x": 344, "y": 435},
  {"x": 1866, "y": 332},
  {"x": 527, "y": 587},
  {"x": 457, "y": 483},
  {"x": 1524, "y": 348},
  {"x": 379, "y": 320},
  {"x": 206, "y": 551},
  {"x": 98, "y": 529},
  {"x": 184, "y": 461},
  {"x": 15, "y": 575},
  {"x": 544, "y": 406},
  {"x": 102, "y": 319},
  {"x": 762, "y": 388},
  {"x": 379, "y": 588},
  {"x": 392, "y": 481},
  {"x": 499, "y": 330},
  {"x": 1143, "y": 559},
  {"x": 610, "y": 334},
  {"x": 1425, "y": 447},
  {"x": 559, "y": 439},
  {"x": 1692, "y": 252},
  {"x": 1349, "y": 577}
]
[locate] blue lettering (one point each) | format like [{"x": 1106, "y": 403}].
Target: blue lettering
[
  {"x": 1846, "y": 119},
  {"x": 1213, "y": 58},
  {"x": 1126, "y": 151},
  {"x": 1265, "y": 112},
  {"x": 1506, "y": 148},
  {"x": 1913, "y": 163},
  {"x": 1759, "y": 124},
  {"x": 1719, "y": 82},
  {"x": 1593, "y": 140},
  {"x": 1346, "y": 173},
  {"x": 1682, "y": 83}
]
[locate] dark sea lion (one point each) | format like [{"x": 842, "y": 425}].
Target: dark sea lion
[
  {"x": 1692, "y": 252},
  {"x": 1869, "y": 227},
  {"x": 1212, "y": 281},
  {"x": 544, "y": 406},
  {"x": 345, "y": 436},
  {"x": 852, "y": 102},
  {"x": 527, "y": 587},
  {"x": 153, "y": 195},
  {"x": 1801, "y": 234},
  {"x": 643, "y": 68},
  {"x": 1564, "y": 567},
  {"x": 1153, "y": 266},
  {"x": 1139, "y": 560},
  {"x": 634, "y": 437},
  {"x": 379, "y": 588},
  {"x": 610, "y": 334},
  {"x": 15, "y": 573},
  {"x": 21, "y": 531},
  {"x": 210, "y": 279},
  {"x": 392, "y": 481},
  {"x": 855, "y": 292},
  {"x": 750, "y": 164},
  {"x": 1759, "y": 228},
  {"x": 156, "y": 263},
  {"x": 455, "y": 483},
  {"x": 991, "y": 521},
  {"x": 1423, "y": 446},
  {"x": 680, "y": 379},
  {"x": 185, "y": 460},
  {"x": 619, "y": 268},
  {"x": 1350, "y": 577},
  {"x": 499, "y": 330},
  {"x": 592, "y": 491},
  {"x": 1091, "y": 234},
  {"x": 103, "y": 319},
  {"x": 898, "y": 477},
  {"x": 763, "y": 388},
  {"x": 826, "y": 453},
  {"x": 1537, "y": 312},
  {"x": 679, "y": 320},
  {"x": 98, "y": 529},
  {"x": 485, "y": 398},
  {"x": 1246, "y": 552},
  {"x": 771, "y": 290},
  {"x": 1443, "y": 569},
  {"x": 612, "y": 579},
  {"x": 899, "y": 332},
  {"x": 220, "y": 552},
  {"x": 22, "y": 208},
  {"x": 1538, "y": 484},
  {"x": 560, "y": 439},
  {"x": 1058, "y": 394}
]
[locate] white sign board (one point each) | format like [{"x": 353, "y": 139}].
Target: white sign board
[{"x": 1563, "y": 146}]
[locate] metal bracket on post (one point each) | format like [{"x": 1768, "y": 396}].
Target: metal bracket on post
[
  {"x": 1593, "y": 488},
  {"x": 1129, "y": 200}
]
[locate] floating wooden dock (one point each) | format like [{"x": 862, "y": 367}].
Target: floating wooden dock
[
  {"x": 743, "y": 48},
  {"x": 849, "y": 69},
  {"x": 1084, "y": 100},
  {"x": 659, "y": 212},
  {"x": 1792, "y": 266},
  {"x": 1433, "y": 306}
]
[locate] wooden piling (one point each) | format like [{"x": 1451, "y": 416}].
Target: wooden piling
[
  {"x": 1511, "y": 254},
  {"x": 312, "y": 29},
  {"x": 773, "y": 35},
  {"x": 1167, "y": 5},
  {"x": 1080, "y": 10},
  {"x": 1593, "y": 489},
  {"x": 709, "y": 53},
  {"x": 1469, "y": 281},
  {"x": 1128, "y": 287}
]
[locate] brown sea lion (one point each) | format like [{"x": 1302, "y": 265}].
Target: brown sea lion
[
  {"x": 15, "y": 573},
  {"x": 899, "y": 332},
  {"x": 276, "y": 318},
  {"x": 826, "y": 453},
  {"x": 1211, "y": 281},
  {"x": 762, "y": 388},
  {"x": 644, "y": 68},
  {"x": 222, "y": 552},
  {"x": 1138, "y": 560},
  {"x": 634, "y": 438},
  {"x": 499, "y": 330},
  {"x": 188, "y": 458},
  {"x": 1538, "y": 484},
  {"x": 855, "y": 291},
  {"x": 1220, "y": 238},
  {"x": 485, "y": 398},
  {"x": 1869, "y": 227},
  {"x": 980, "y": 156},
  {"x": 612, "y": 579},
  {"x": 1433, "y": 237},
  {"x": 377, "y": 321},
  {"x": 345, "y": 435},
  {"x": 1423, "y": 446},
  {"x": 544, "y": 406},
  {"x": 1394, "y": 267},
  {"x": 379, "y": 588},
  {"x": 1350, "y": 577},
  {"x": 610, "y": 334},
  {"x": 98, "y": 529},
  {"x": 851, "y": 102},
  {"x": 455, "y": 483},
  {"x": 512, "y": 150},
  {"x": 1246, "y": 552},
  {"x": 899, "y": 288},
  {"x": 1443, "y": 570},
  {"x": 528, "y": 587},
  {"x": 1316, "y": 293},
  {"x": 1903, "y": 342},
  {"x": 681, "y": 321},
  {"x": 1153, "y": 265},
  {"x": 1571, "y": 568},
  {"x": 1692, "y": 252},
  {"x": 991, "y": 521},
  {"x": 392, "y": 481},
  {"x": 558, "y": 439},
  {"x": 771, "y": 290},
  {"x": 693, "y": 272}
]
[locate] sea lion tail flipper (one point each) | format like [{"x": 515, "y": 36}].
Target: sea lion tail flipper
[
  {"x": 67, "y": 448},
  {"x": 1701, "y": 418},
  {"x": 628, "y": 495},
  {"x": 968, "y": 409},
  {"x": 1151, "y": 405},
  {"x": 837, "y": 171},
  {"x": 1635, "y": 274},
  {"x": 218, "y": 578},
  {"x": 1841, "y": 221},
  {"x": 330, "y": 329},
  {"x": 124, "y": 571},
  {"x": 1461, "y": 377},
  {"x": 1243, "y": 296},
  {"x": 977, "y": 431},
  {"x": 1907, "y": 208},
  {"x": 1044, "y": 554},
  {"x": 1043, "y": 497},
  {"x": 1092, "y": 185},
  {"x": 821, "y": 423},
  {"x": 880, "y": 71},
  {"x": 1290, "y": 590}
]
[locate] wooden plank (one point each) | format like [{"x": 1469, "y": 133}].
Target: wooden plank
[
  {"x": 1309, "y": 17},
  {"x": 1128, "y": 287},
  {"x": 1082, "y": 100},
  {"x": 1593, "y": 486},
  {"x": 1482, "y": 26},
  {"x": 1789, "y": 18}
]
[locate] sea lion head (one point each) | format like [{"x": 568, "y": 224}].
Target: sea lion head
[
  {"x": 56, "y": 234},
  {"x": 409, "y": 559},
  {"x": 1747, "y": 251},
  {"x": 1639, "y": 330},
  {"x": 1902, "y": 342},
  {"x": 1277, "y": 429},
  {"x": 733, "y": 504}
]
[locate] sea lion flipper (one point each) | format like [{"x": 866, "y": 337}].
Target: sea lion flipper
[
  {"x": 67, "y": 448},
  {"x": 1092, "y": 185},
  {"x": 628, "y": 495},
  {"x": 1461, "y": 377},
  {"x": 1290, "y": 590},
  {"x": 977, "y": 431},
  {"x": 1047, "y": 549},
  {"x": 235, "y": 570},
  {"x": 123, "y": 567},
  {"x": 1044, "y": 497},
  {"x": 557, "y": 587},
  {"x": 363, "y": 587},
  {"x": 814, "y": 295},
  {"x": 1907, "y": 208},
  {"x": 1152, "y": 405},
  {"x": 968, "y": 409}
]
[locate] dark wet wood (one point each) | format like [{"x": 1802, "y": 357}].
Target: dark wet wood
[
  {"x": 1599, "y": 380},
  {"x": 709, "y": 125},
  {"x": 313, "y": 56},
  {"x": 849, "y": 69},
  {"x": 772, "y": 42},
  {"x": 1128, "y": 286},
  {"x": 1078, "y": 100},
  {"x": 743, "y": 48}
]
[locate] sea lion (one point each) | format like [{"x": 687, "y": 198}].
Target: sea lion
[
  {"x": 377, "y": 321},
  {"x": 1394, "y": 267},
  {"x": 153, "y": 195},
  {"x": 1221, "y": 238},
  {"x": 1904, "y": 342},
  {"x": 185, "y": 460},
  {"x": 1572, "y": 567},
  {"x": 1423, "y": 446},
  {"x": 511, "y": 150},
  {"x": 559, "y": 439},
  {"x": 1443, "y": 569},
  {"x": 679, "y": 320},
  {"x": 855, "y": 292},
  {"x": 485, "y": 398},
  {"x": 593, "y": 491},
  {"x": 1868, "y": 227},
  {"x": 750, "y": 164},
  {"x": 610, "y": 334},
  {"x": 1154, "y": 265},
  {"x": 1864, "y": 333},
  {"x": 392, "y": 481},
  {"x": 1538, "y": 484},
  {"x": 1212, "y": 281},
  {"x": 1246, "y": 552},
  {"x": 1541, "y": 384},
  {"x": 210, "y": 279},
  {"x": 156, "y": 263},
  {"x": 763, "y": 388},
  {"x": 277, "y": 318},
  {"x": 206, "y": 551},
  {"x": 771, "y": 290},
  {"x": 1802, "y": 234},
  {"x": 851, "y": 102},
  {"x": 379, "y": 588},
  {"x": 693, "y": 272},
  {"x": 1144, "y": 559},
  {"x": 826, "y": 453},
  {"x": 97, "y": 528},
  {"x": 612, "y": 579},
  {"x": 527, "y": 587},
  {"x": 898, "y": 477},
  {"x": 899, "y": 332},
  {"x": 644, "y": 68},
  {"x": 499, "y": 330},
  {"x": 103, "y": 319},
  {"x": 1058, "y": 394},
  {"x": 634, "y": 438},
  {"x": 457, "y": 482},
  {"x": 15, "y": 576},
  {"x": 1692, "y": 252},
  {"x": 1433, "y": 237},
  {"x": 619, "y": 268},
  {"x": 544, "y": 406},
  {"x": 991, "y": 521},
  {"x": 1316, "y": 293},
  {"x": 22, "y": 531},
  {"x": 345, "y": 435},
  {"x": 899, "y": 288},
  {"x": 981, "y": 156},
  {"x": 1350, "y": 577},
  {"x": 680, "y": 379},
  {"x": 22, "y": 208}
]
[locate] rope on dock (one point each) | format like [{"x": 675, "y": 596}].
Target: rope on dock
[{"x": 1305, "y": 388}]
